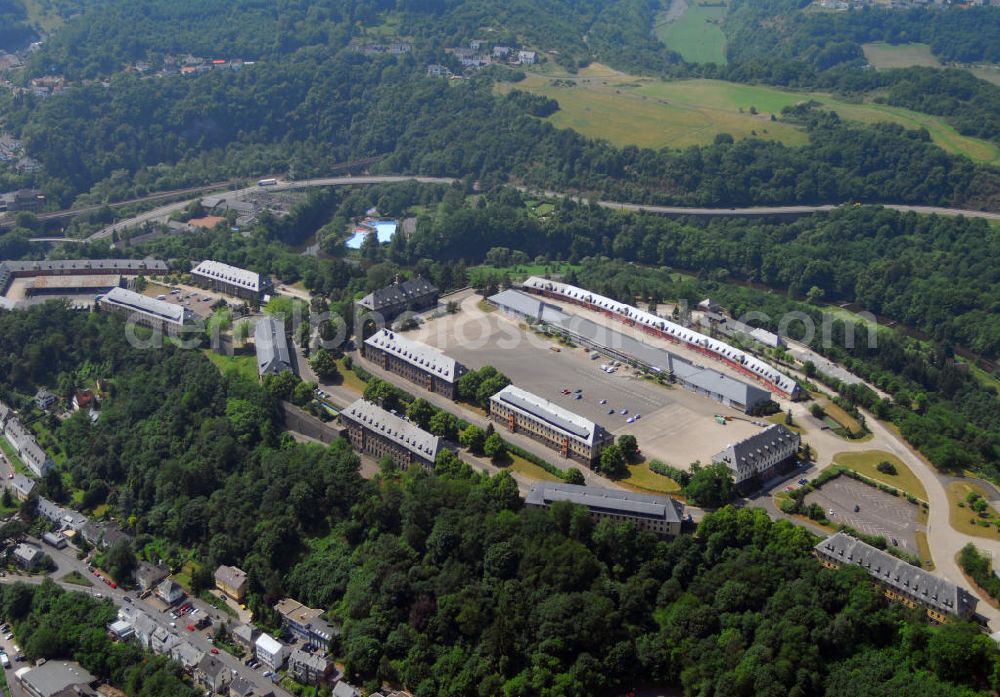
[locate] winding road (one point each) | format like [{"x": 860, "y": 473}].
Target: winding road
[{"x": 163, "y": 212}]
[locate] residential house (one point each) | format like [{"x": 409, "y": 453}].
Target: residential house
[
  {"x": 213, "y": 674},
  {"x": 304, "y": 622},
  {"x": 342, "y": 689},
  {"x": 21, "y": 486},
  {"x": 45, "y": 400},
  {"x": 28, "y": 556},
  {"x": 309, "y": 668},
  {"x": 23, "y": 441},
  {"x": 83, "y": 399},
  {"x": 162, "y": 640},
  {"x": 527, "y": 57},
  {"x": 121, "y": 630},
  {"x": 147, "y": 575},
  {"x": 437, "y": 70},
  {"x": 77, "y": 690},
  {"x": 52, "y": 677},
  {"x": 502, "y": 52},
  {"x": 169, "y": 591},
  {"x": 232, "y": 581},
  {"x": 241, "y": 687},
  {"x": 245, "y": 636},
  {"x": 188, "y": 655},
  {"x": 271, "y": 652},
  {"x": 54, "y": 539}
]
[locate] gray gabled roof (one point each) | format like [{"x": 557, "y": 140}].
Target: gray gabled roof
[
  {"x": 271, "y": 344},
  {"x": 416, "y": 354},
  {"x": 398, "y": 293},
  {"x": 541, "y": 409},
  {"x": 402, "y": 432},
  {"x": 606, "y": 500},
  {"x": 941, "y": 594},
  {"x": 773, "y": 439}
]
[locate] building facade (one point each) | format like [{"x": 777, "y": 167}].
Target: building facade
[
  {"x": 657, "y": 514},
  {"x": 144, "y": 310},
  {"x": 232, "y": 581},
  {"x": 761, "y": 456},
  {"x": 303, "y": 622},
  {"x": 900, "y": 581},
  {"x": 419, "y": 363},
  {"x": 271, "y": 652},
  {"x": 373, "y": 430},
  {"x": 390, "y": 302},
  {"x": 309, "y": 668},
  {"x": 573, "y": 436},
  {"x": 231, "y": 280},
  {"x": 24, "y": 443}
]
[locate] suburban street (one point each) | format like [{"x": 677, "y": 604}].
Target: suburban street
[{"x": 66, "y": 561}]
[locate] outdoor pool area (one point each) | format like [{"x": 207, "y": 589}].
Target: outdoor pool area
[{"x": 383, "y": 229}]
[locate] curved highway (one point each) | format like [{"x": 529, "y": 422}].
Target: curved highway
[{"x": 165, "y": 211}]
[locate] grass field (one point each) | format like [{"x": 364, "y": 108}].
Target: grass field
[
  {"x": 839, "y": 416},
  {"x": 865, "y": 462},
  {"x": 530, "y": 469},
  {"x": 697, "y": 33},
  {"x": 647, "y": 112},
  {"x": 244, "y": 365},
  {"x": 963, "y": 518},
  {"x": 642, "y": 478},
  {"x": 990, "y": 73},
  {"x": 883, "y": 55},
  {"x": 77, "y": 579},
  {"x": 350, "y": 379}
]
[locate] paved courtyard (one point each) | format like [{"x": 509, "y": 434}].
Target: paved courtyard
[
  {"x": 676, "y": 426},
  {"x": 880, "y": 513}
]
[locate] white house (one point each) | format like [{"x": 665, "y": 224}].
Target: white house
[{"x": 270, "y": 651}]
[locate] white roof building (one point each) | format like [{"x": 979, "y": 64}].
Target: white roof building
[
  {"x": 540, "y": 409},
  {"x": 234, "y": 275},
  {"x": 422, "y": 356},
  {"x": 146, "y": 307}
]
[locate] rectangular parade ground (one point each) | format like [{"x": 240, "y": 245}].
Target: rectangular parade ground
[{"x": 676, "y": 426}]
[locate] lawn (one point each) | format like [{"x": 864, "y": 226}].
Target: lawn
[
  {"x": 864, "y": 462},
  {"x": 780, "y": 419},
  {"x": 530, "y": 469},
  {"x": 840, "y": 417},
  {"x": 14, "y": 458},
  {"x": 183, "y": 577},
  {"x": 989, "y": 72},
  {"x": 883, "y": 55},
  {"x": 350, "y": 379},
  {"x": 697, "y": 33},
  {"x": 983, "y": 377},
  {"x": 245, "y": 365},
  {"x": 518, "y": 271},
  {"x": 77, "y": 579},
  {"x": 648, "y": 112},
  {"x": 642, "y": 478},
  {"x": 963, "y": 518}
]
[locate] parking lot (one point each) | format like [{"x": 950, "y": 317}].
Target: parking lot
[
  {"x": 879, "y": 513},
  {"x": 674, "y": 425},
  {"x": 197, "y": 300}
]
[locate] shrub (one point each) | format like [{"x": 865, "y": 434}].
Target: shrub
[{"x": 886, "y": 467}]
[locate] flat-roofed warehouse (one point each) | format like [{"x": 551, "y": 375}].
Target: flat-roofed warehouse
[
  {"x": 900, "y": 581},
  {"x": 417, "y": 362},
  {"x": 377, "y": 432},
  {"x": 144, "y": 310},
  {"x": 231, "y": 280},
  {"x": 657, "y": 514},
  {"x": 711, "y": 383},
  {"x": 572, "y": 435},
  {"x": 760, "y": 456}
]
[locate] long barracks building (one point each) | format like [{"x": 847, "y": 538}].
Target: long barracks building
[
  {"x": 231, "y": 280},
  {"x": 373, "y": 430},
  {"x": 657, "y": 514},
  {"x": 144, "y": 310},
  {"x": 572, "y": 435},
  {"x": 899, "y": 580},
  {"x": 419, "y": 363},
  {"x": 748, "y": 365}
]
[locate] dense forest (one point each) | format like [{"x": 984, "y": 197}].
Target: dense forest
[
  {"x": 51, "y": 623},
  {"x": 441, "y": 582},
  {"x": 15, "y": 30}
]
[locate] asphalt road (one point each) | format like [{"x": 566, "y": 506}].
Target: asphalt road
[
  {"x": 66, "y": 561},
  {"x": 755, "y": 211}
]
